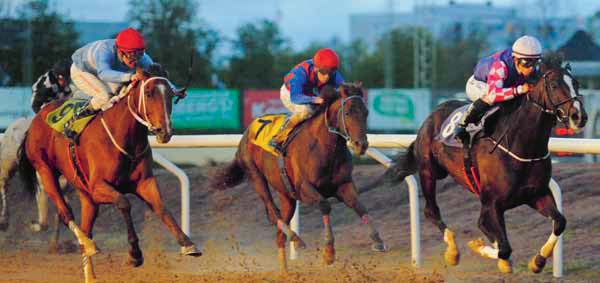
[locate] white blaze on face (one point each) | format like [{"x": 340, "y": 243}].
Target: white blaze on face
[
  {"x": 162, "y": 90},
  {"x": 569, "y": 81}
]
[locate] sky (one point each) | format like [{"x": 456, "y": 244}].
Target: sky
[{"x": 302, "y": 21}]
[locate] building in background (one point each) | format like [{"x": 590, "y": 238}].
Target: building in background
[
  {"x": 584, "y": 56},
  {"x": 499, "y": 25}
]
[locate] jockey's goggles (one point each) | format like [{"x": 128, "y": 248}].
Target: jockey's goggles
[
  {"x": 133, "y": 54},
  {"x": 528, "y": 62},
  {"x": 326, "y": 71}
]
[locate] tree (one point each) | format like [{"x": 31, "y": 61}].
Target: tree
[
  {"x": 261, "y": 57},
  {"x": 456, "y": 60},
  {"x": 34, "y": 41},
  {"x": 172, "y": 36}
]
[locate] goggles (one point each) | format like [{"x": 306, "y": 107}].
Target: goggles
[
  {"x": 528, "y": 62},
  {"x": 132, "y": 55},
  {"x": 326, "y": 71}
]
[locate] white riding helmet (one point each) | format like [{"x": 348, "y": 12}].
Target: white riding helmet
[{"x": 527, "y": 47}]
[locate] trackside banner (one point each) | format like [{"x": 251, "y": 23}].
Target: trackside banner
[
  {"x": 398, "y": 109},
  {"x": 208, "y": 109}
]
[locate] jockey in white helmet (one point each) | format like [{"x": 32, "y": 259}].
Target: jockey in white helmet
[{"x": 500, "y": 77}]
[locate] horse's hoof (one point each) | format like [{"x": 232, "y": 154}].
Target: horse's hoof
[
  {"x": 329, "y": 254},
  {"x": 89, "y": 247},
  {"x": 298, "y": 242},
  {"x": 505, "y": 265},
  {"x": 191, "y": 251},
  {"x": 452, "y": 256},
  {"x": 38, "y": 227},
  {"x": 476, "y": 245},
  {"x": 135, "y": 261},
  {"x": 537, "y": 263},
  {"x": 378, "y": 247},
  {"x": 53, "y": 247},
  {"x": 282, "y": 260}
]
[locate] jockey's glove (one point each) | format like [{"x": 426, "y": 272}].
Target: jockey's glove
[{"x": 522, "y": 89}]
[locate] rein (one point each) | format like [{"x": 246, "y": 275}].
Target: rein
[
  {"x": 140, "y": 109},
  {"x": 344, "y": 133}
]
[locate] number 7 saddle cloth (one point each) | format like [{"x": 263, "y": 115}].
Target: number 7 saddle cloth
[
  {"x": 262, "y": 129},
  {"x": 446, "y": 135}
]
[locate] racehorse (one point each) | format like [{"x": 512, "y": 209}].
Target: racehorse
[
  {"x": 112, "y": 158},
  {"x": 319, "y": 164},
  {"x": 512, "y": 156}
]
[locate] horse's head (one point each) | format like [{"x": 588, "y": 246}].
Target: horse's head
[
  {"x": 152, "y": 102},
  {"x": 350, "y": 112},
  {"x": 557, "y": 93}
]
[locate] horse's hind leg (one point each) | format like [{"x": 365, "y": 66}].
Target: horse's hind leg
[
  {"x": 491, "y": 223},
  {"x": 546, "y": 206},
  {"x": 148, "y": 191},
  {"x": 347, "y": 194},
  {"x": 49, "y": 182},
  {"x": 432, "y": 213},
  {"x": 105, "y": 193},
  {"x": 7, "y": 170}
]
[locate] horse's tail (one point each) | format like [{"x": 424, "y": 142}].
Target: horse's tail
[
  {"x": 405, "y": 165},
  {"x": 229, "y": 175},
  {"x": 26, "y": 170}
]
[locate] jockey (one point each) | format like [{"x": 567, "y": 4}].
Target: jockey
[
  {"x": 52, "y": 85},
  {"x": 500, "y": 77},
  {"x": 301, "y": 87},
  {"x": 100, "y": 67}
]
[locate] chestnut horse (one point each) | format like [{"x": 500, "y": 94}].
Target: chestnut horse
[
  {"x": 112, "y": 158},
  {"x": 512, "y": 158},
  {"x": 319, "y": 164}
]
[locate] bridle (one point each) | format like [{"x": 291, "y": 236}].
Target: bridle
[
  {"x": 554, "y": 110},
  {"x": 344, "y": 128},
  {"x": 141, "y": 110}
]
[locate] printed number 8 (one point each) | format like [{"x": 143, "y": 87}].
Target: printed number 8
[{"x": 449, "y": 129}]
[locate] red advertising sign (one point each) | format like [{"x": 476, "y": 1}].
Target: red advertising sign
[{"x": 261, "y": 101}]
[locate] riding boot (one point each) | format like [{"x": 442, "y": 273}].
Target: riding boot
[
  {"x": 473, "y": 114},
  {"x": 279, "y": 140},
  {"x": 69, "y": 132}
]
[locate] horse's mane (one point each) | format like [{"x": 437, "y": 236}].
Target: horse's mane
[
  {"x": 552, "y": 60},
  {"x": 157, "y": 70}
]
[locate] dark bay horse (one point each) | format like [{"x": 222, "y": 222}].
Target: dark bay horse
[
  {"x": 113, "y": 158},
  {"x": 517, "y": 172},
  {"x": 318, "y": 162}
]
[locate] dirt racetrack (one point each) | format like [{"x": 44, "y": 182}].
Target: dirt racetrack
[{"x": 238, "y": 242}]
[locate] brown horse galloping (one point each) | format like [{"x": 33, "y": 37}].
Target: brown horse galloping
[
  {"x": 516, "y": 172},
  {"x": 319, "y": 165},
  {"x": 113, "y": 158}
]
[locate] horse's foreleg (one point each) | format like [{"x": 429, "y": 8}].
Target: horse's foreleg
[
  {"x": 50, "y": 185},
  {"x": 41, "y": 200},
  {"x": 3, "y": 210},
  {"x": 89, "y": 211},
  {"x": 329, "y": 248},
  {"x": 347, "y": 194},
  {"x": 148, "y": 191},
  {"x": 288, "y": 206},
  {"x": 491, "y": 223},
  {"x": 7, "y": 169},
  {"x": 546, "y": 206},
  {"x": 105, "y": 193}
]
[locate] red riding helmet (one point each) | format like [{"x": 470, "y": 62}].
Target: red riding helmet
[
  {"x": 326, "y": 58},
  {"x": 130, "y": 39}
]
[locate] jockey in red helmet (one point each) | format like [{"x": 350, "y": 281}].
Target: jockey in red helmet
[
  {"x": 100, "y": 67},
  {"x": 300, "y": 91},
  {"x": 500, "y": 77}
]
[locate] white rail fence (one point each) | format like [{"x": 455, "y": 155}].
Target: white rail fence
[{"x": 584, "y": 146}]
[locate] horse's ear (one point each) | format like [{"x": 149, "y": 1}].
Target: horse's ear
[
  {"x": 359, "y": 84},
  {"x": 343, "y": 91}
]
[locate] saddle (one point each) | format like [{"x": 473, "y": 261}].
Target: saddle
[
  {"x": 446, "y": 134},
  {"x": 57, "y": 118},
  {"x": 262, "y": 129}
]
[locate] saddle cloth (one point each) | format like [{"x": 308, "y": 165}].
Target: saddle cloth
[
  {"x": 262, "y": 129},
  {"x": 446, "y": 135},
  {"x": 59, "y": 116}
]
